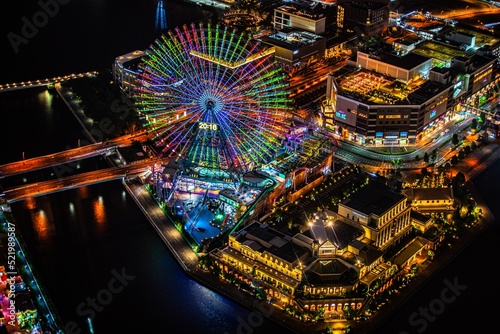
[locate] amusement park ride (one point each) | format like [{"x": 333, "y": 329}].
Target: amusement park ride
[{"x": 216, "y": 103}]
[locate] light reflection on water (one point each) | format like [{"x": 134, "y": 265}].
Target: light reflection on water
[{"x": 91, "y": 231}]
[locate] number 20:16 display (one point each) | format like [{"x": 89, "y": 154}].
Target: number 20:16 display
[{"x": 208, "y": 126}]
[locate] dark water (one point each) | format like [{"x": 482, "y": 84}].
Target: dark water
[
  {"x": 80, "y": 35},
  {"x": 37, "y": 123},
  {"x": 81, "y": 240},
  {"x": 77, "y": 238},
  {"x": 471, "y": 311}
]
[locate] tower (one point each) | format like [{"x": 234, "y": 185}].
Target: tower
[{"x": 161, "y": 18}]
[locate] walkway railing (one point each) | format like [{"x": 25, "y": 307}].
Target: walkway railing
[{"x": 44, "y": 82}]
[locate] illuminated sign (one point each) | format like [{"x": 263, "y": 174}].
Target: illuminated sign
[
  {"x": 392, "y": 116},
  {"x": 208, "y": 126},
  {"x": 482, "y": 75},
  {"x": 403, "y": 134},
  {"x": 433, "y": 113},
  {"x": 359, "y": 215},
  {"x": 340, "y": 114},
  {"x": 458, "y": 82}
]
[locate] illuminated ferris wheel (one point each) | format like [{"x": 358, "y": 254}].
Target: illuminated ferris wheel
[{"x": 214, "y": 99}]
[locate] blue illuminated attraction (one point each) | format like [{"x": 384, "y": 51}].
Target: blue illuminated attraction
[{"x": 161, "y": 18}]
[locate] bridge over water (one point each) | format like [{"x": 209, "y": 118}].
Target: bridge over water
[
  {"x": 74, "y": 181},
  {"x": 44, "y": 82}
]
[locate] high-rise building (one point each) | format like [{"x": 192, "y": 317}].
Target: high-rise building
[
  {"x": 369, "y": 18},
  {"x": 161, "y": 18}
]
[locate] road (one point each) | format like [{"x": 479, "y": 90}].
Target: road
[
  {"x": 63, "y": 157},
  {"x": 75, "y": 181},
  {"x": 440, "y": 141}
]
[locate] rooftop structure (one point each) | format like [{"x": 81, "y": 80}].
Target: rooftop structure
[
  {"x": 369, "y": 18},
  {"x": 381, "y": 213},
  {"x": 408, "y": 67},
  {"x": 374, "y": 199},
  {"x": 299, "y": 17},
  {"x": 387, "y": 100},
  {"x": 125, "y": 70},
  {"x": 293, "y": 46}
]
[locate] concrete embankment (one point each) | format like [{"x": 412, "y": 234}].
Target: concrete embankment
[
  {"x": 61, "y": 92},
  {"x": 186, "y": 257},
  {"x": 188, "y": 260}
]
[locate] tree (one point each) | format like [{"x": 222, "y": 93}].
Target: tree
[
  {"x": 417, "y": 157},
  {"x": 424, "y": 171},
  {"x": 454, "y": 160},
  {"x": 426, "y": 157},
  {"x": 461, "y": 155},
  {"x": 459, "y": 178},
  {"x": 454, "y": 139},
  {"x": 433, "y": 156},
  {"x": 473, "y": 124}
]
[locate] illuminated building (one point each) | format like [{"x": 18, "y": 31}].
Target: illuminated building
[
  {"x": 258, "y": 252},
  {"x": 287, "y": 16},
  {"x": 431, "y": 199},
  {"x": 295, "y": 47},
  {"x": 410, "y": 254},
  {"x": 476, "y": 75},
  {"x": 125, "y": 71},
  {"x": 161, "y": 18},
  {"x": 410, "y": 67},
  {"x": 382, "y": 214},
  {"x": 420, "y": 221},
  {"x": 331, "y": 257},
  {"x": 373, "y": 108},
  {"x": 369, "y": 18}
]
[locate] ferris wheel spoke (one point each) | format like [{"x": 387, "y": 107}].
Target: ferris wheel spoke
[{"x": 213, "y": 97}]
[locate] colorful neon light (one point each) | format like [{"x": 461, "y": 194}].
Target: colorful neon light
[{"x": 185, "y": 82}]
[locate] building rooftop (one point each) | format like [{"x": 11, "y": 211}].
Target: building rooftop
[
  {"x": 415, "y": 215},
  {"x": 366, "y": 5},
  {"x": 373, "y": 88},
  {"x": 288, "y": 252},
  {"x": 367, "y": 254},
  {"x": 426, "y": 91},
  {"x": 422, "y": 194},
  {"x": 407, "y": 62},
  {"x": 131, "y": 59},
  {"x": 262, "y": 238},
  {"x": 291, "y": 39},
  {"x": 374, "y": 198},
  {"x": 440, "y": 53},
  {"x": 409, "y": 250},
  {"x": 302, "y": 12},
  {"x": 331, "y": 271}
]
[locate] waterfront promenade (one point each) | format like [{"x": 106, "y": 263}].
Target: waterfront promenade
[{"x": 188, "y": 259}]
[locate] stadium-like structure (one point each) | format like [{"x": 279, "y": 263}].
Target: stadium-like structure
[{"x": 216, "y": 102}]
